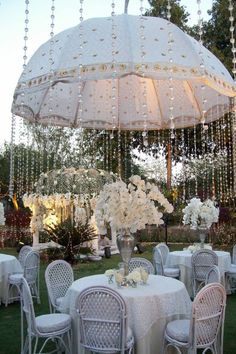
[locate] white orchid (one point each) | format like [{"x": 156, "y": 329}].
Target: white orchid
[
  {"x": 199, "y": 214},
  {"x": 130, "y": 207}
]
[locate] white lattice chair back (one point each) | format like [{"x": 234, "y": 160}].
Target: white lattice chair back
[
  {"x": 158, "y": 261},
  {"x": 213, "y": 276},
  {"x": 23, "y": 253},
  {"x": 202, "y": 261},
  {"x": 234, "y": 255},
  {"x": 103, "y": 320},
  {"x": 31, "y": 268},
  {"x": 58, "y": 276},
  {"x": 27, "y": 306},
  {"x": 164, "y": 249},
  {"x": 208, "y": 311},
  {"x": 138, "y": 262}
]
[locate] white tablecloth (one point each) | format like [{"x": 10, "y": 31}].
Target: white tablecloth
[
  {"x": 183, "y": 260},
  {"x": 8, "y": 265},
  {"x": 149, "y": 308}
]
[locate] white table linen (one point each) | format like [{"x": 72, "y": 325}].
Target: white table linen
[
  {"x": 8, "y": 265},
  {"x": 149, "y": 308},
  {"x": 183, "y": 260}
]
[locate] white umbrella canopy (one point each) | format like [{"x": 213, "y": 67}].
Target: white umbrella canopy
[{"x": 95, "y": 68}]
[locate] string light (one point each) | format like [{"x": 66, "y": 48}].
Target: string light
[
  {"x": 80, "y": 82},
  {"x": 142, "y": 74},
  {"x": 114, "y": 70},
  {"x": 170, "y": 79}
]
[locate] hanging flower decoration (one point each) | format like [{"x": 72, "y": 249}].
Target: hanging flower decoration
[
  {"x": 200, "y": 214},
  {"x": 65, "y": 193},
  {"x": 130, "y": 207}
]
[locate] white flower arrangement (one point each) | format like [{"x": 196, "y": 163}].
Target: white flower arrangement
[
  {"x": 130, "y": 207},
  {"x": 200, "y": 214},
  {"x": 196, "y": 247},
  {"x": 109, "y": 272},
  {"x": 134, "y": 276},
  {"x": 2, "y": 215}
]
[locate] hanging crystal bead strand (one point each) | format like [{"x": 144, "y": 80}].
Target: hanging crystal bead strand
[
  {"x": 233, "y": 100},
  {"x": 80, "y": 81},
  {"x": 170, "y": 79},
  {"x": 142, "y": 74}
]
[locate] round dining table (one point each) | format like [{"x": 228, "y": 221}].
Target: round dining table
[
  {"x": 150, "y": 307},
  {"x": 8, "y": 265},
  {"x": 183, "y": 259}
]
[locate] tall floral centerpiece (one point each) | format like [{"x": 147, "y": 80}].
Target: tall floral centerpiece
[
  {"x": 128, "y": 208},
  {"x": 200, "y": 216}
]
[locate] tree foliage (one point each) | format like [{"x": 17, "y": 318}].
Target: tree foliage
[
  {"x": 216, "y": 32},
  {"x": 179, "y": 16}
]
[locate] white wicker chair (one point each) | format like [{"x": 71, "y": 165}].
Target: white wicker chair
[
  {"x": 23, "y": 253},
  {"x": 160, "y": 268},
  {"x": 55, "y": 327},
  {"x": 231, "y": 273},
  {"x": 205, "y": 327},
  {"x": 164, "y": 249},
  {"x": 103, "y": 321},
  {"x": 213, "y": 276},
  {"x": 58, "y": 276},
  {"x": 137, "y": 262},
  {"x": 30, "y": 273},
  {"x": 202, "y": 261}
]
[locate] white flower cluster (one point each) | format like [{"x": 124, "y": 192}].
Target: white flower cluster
[
  {"x": 196, "y": 247},
  {"x": 2, "y": 216},
  {"x": 134, "y": 276},
  {"x": 200, "y": 214},
  {"x": 130, "y": 207}
]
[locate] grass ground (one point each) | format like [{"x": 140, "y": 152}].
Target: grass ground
[{"x": 10, "y": 316}]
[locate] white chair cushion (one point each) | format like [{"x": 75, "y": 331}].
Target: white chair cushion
[
  {"x": 171, "y": 272},
  {"x": 15, "y": 278},
  {"x": 52, "y": 322},
  {"x": 232, "y": 269},
  {"x": 178, "y": 330},
  {"x": 59, "y": 301}
]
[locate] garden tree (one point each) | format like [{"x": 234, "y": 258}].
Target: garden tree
[
  {"x": 179, "y": 16},
  {"x": 216, "y": 32},
  {"x": 4, "y": 170}
]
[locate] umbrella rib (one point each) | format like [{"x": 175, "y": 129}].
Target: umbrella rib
[
  {"x": 191, "y": 95},
  {"x": 158, "y": 101}
]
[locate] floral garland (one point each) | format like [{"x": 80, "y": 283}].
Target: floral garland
[
  {"x": 130, "y": 207},
  {"x": 200, "y": 214}
]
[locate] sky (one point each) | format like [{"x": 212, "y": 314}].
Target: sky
[{"x": 12, "y": 19}]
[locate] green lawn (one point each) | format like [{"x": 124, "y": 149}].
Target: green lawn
[{"x": 10, "y": 316}]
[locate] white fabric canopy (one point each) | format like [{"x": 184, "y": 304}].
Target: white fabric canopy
[{"x": 61, "y": 106}]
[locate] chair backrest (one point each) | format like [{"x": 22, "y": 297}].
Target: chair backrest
[
  {"x": 138, "y": 262},
  {"x": 31, "y": 267},
  {"x": 164, "y": 249},
  {"x": 28, "y": 307},
  {"x": 103, "y": 319},
  {"x": 208, "y": 311},
  {"x": 158, "y": 261},
  {"x": 202, "y": 261},
  {"x": 23, "y": 253},
  {"x": 234, "y": 255},
  {"x": 58, "y": 276},
  {"x": 213, "y": 276}
]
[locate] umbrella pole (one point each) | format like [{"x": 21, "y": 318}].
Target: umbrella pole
[{"x": 126, "y": 6}]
